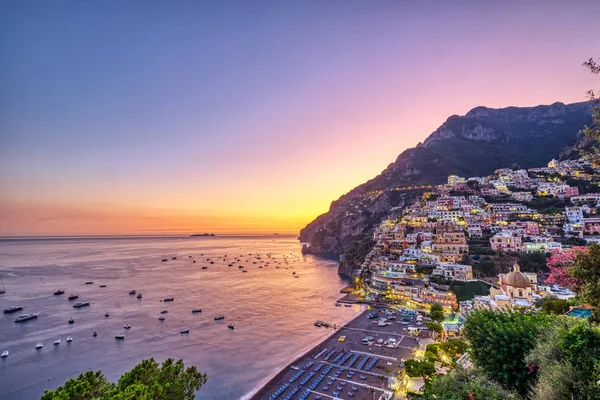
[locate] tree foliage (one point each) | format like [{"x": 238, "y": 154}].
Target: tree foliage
[
  {"x": 593, "y": 131},
  {"x": 148, "y": 380},
  {"x": 586, "y": 273},
  {"x": 460, "y": 384},
  {"x": 567, "y": 356},
  {"x": 500, "y": 340},
  {"x": 415, "y": 368},
  {"x": 454, "y": 347},
  {"x": 436, "y": 313},
  {"x": 553, "y": 305}
]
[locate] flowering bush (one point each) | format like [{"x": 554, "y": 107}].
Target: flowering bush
[{"x": 559, "y": 263}]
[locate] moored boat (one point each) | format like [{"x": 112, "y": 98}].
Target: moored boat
[
  {"x": 219, "y": 317},
  {"x": 139, "y": 296},
  {"x": 95, "y": 334},
  {"x": 164, "y": 311},
  {"x": 73, "y": 297},
  {"x": 196, "y": 310},
  {"x": 161, "y": 318},
  {"x": 57, "y": 342},
  {"x": 69, "y": 339},
  {"x": 169, "y": 299},
  {"x": 120, "y": 337},
  {"x": 59, "y": 292},
  {"x": 13, "y": 309},
  {"x": 89, "y": 283},
  {"x": 39, "y": 346},
  {"x": 4, "y": 354},
  {"x": 132, "y": 292},
  {"x": 106, "y": 314},
  {"x": 230, "y": 326},
  {"x": 81, "y": 304},
  {"x": 127, "y": 326},
  {"x": 71, "y": 321},
  {"x": 184, "y": 331},
  {"x": 26, "y": 317}
]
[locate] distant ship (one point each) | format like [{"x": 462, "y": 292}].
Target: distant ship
[
  {"x": 13, "y": 309},
  {"x": 202, "y": 234},
  {"x": 26, "y": 317},
  {"x": 81, "y": 304}
]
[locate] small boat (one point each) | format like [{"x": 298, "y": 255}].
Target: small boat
[
  {"x": 196, "y": 310},
  {"x": 296, "y": 276},
  {"x": 164, "y": 311},
  {"x": 95, "y": 334},
  {"x": 127, "y": 326},
  {"x": 81, "y": 304},
  {"x": 164, "y": 260},
  {"x": 244, "y": 270},
  {"x": 73, "y": 297},
  {"x": 106, "y": 314},
  {"x": 71, "y": 321},
  {"x": 59, "y": 292},
  {"x": 173, "y": 258},
  {"x": 139, "y": 296},
  {"x": 338, "y": 305},
  {"x": 39, "y": 346},
  {"x": 347, "y": 305},
  {"x": 294, "y": 368},
  {"x": 13, "y": 309},
  {"x": 120, "y": 337},
  {"x": 4, "y": 354},
  {"x": 169, "y": 299},
  {"x": 132, "y": 292},
  {"x": 219, "y": 317},
  {"x": 89, "y": 283},
  {"x": 161, "y": 318},
  {"x": 103, "y": 286},
  {"x": 69, "y": 339},
  {"x": 230, "y": 326},
  {"x": 57, "y": 342},
  {"x": 184, "y": 331},
  {"x": 204, "y": 267},
  {"x": 26, "y": 317}
]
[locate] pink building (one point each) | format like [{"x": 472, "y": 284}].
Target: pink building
[
  {"x": 505, "y": 241},
  {"x": 591, "y": 226}
]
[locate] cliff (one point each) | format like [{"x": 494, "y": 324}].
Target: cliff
[{"x": 475, "y": 144}]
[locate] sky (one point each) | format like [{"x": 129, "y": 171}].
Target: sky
[{"x": 148, "y": 117}]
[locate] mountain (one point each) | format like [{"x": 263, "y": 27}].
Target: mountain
[{"x": 476, "y": 144}]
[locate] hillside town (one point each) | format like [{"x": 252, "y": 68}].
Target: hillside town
[{"x": 443, "y": 238}]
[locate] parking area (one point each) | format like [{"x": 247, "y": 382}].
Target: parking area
[{"x": 356, "y": 362}]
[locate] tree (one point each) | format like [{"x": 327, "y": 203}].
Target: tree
[
  {"x": 435, "y": 327},
  {"x": 500, "y": 340},
  {"x": 559, "y": 264},
  {"x": 586, "y": 273},
  {"x": 552, "y": 305},
  {"x": 432, "y": 352},
  {"x": 592, "y": 132},
  {"x": 147, "y": 380},
  {"x": 454, "y": 347},
  {"x": 436, "y": 313},
  {"x": 416, "y": 368},
  {"x": 567, "y": 357},
  {"x": 460, "y": 384}
]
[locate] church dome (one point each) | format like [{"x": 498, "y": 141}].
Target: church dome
[{"x": 517, "y": 279}]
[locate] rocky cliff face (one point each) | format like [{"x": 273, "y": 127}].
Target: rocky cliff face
[{"x": 475, "y": 144}]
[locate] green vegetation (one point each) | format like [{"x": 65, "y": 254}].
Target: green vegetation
[
  {"x": 553, "y": 305},
  {"x": 454, "y": 347},
  {"x": 416, "y": 368},
  {"x": 501, "y": 340},
  {"x": 548, "y": 205},
  {"x": 533, "y": 262},
  {"x": 432, "y": 352},
  {"x": 468, "y": 290},
  {"x": 460, "y": 384},
  {"x": 435, "y": 327},
  {"x": 592, "y": 131},
  {"x": 148, "y": 380},
  {"x": 355, "y": 255},
  {"x": 436, "y": 313}
]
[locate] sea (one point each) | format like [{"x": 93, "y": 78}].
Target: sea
[{"x": 272, "y": 311}]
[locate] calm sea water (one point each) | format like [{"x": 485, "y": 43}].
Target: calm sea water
[{"x": 272, "y": 311}]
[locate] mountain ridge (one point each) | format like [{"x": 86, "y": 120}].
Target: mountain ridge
[{"x": 475, "y": 144}]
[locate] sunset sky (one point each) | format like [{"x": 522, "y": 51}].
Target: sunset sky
[{"x": 145, "y": 117}]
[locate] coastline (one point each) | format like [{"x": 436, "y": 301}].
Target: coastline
[{"x": 272, "y": 381}]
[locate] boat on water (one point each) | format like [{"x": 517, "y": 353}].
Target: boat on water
[
  {"x": 338, "y": 305},
  {"x": 106, "y": 314},
  {"x": 73, "y": 297},
  {"x": 294, "y": 368},
  {"x": 230, "y": 326},
  {"x": 13, "y": 309},
  {"x": 59, "y": 292},
  {"x": 89, "y": 283},
  {"x": 2, "y": 288},
  {"x": 347, "y": 305},
  {"x": 139, "y": 296},
  {"x": 219, "y": 317},
  {"x": 127, "y": 326},
  {"x": 39, "y": 346},
  {"x": 120, "y": 337},
  {"x": 173, "y": 258},
  {"x": 196, "y": 310},
  {"x": 102, "y": 286},
  {"x": 57, "y": 342},
  {"x": 69, "y": 339},
  {"x": 164, "y": 311},
  {"x": 95, "y": 334},
  {"x": 81, "y": 304},
  {"x": 184, "y": 331},
  {"x": 26, "y": 317},
  {"x": 4, "y": 354},
  {"x": 71, "y": 321},
  {"x": 169, "y": 299},
  {"x": 132, "y": 292},
  {"x": 164, "y": 260},
  {"x": 204, "y": 267},
  {"x": 161, "y": 318}
]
